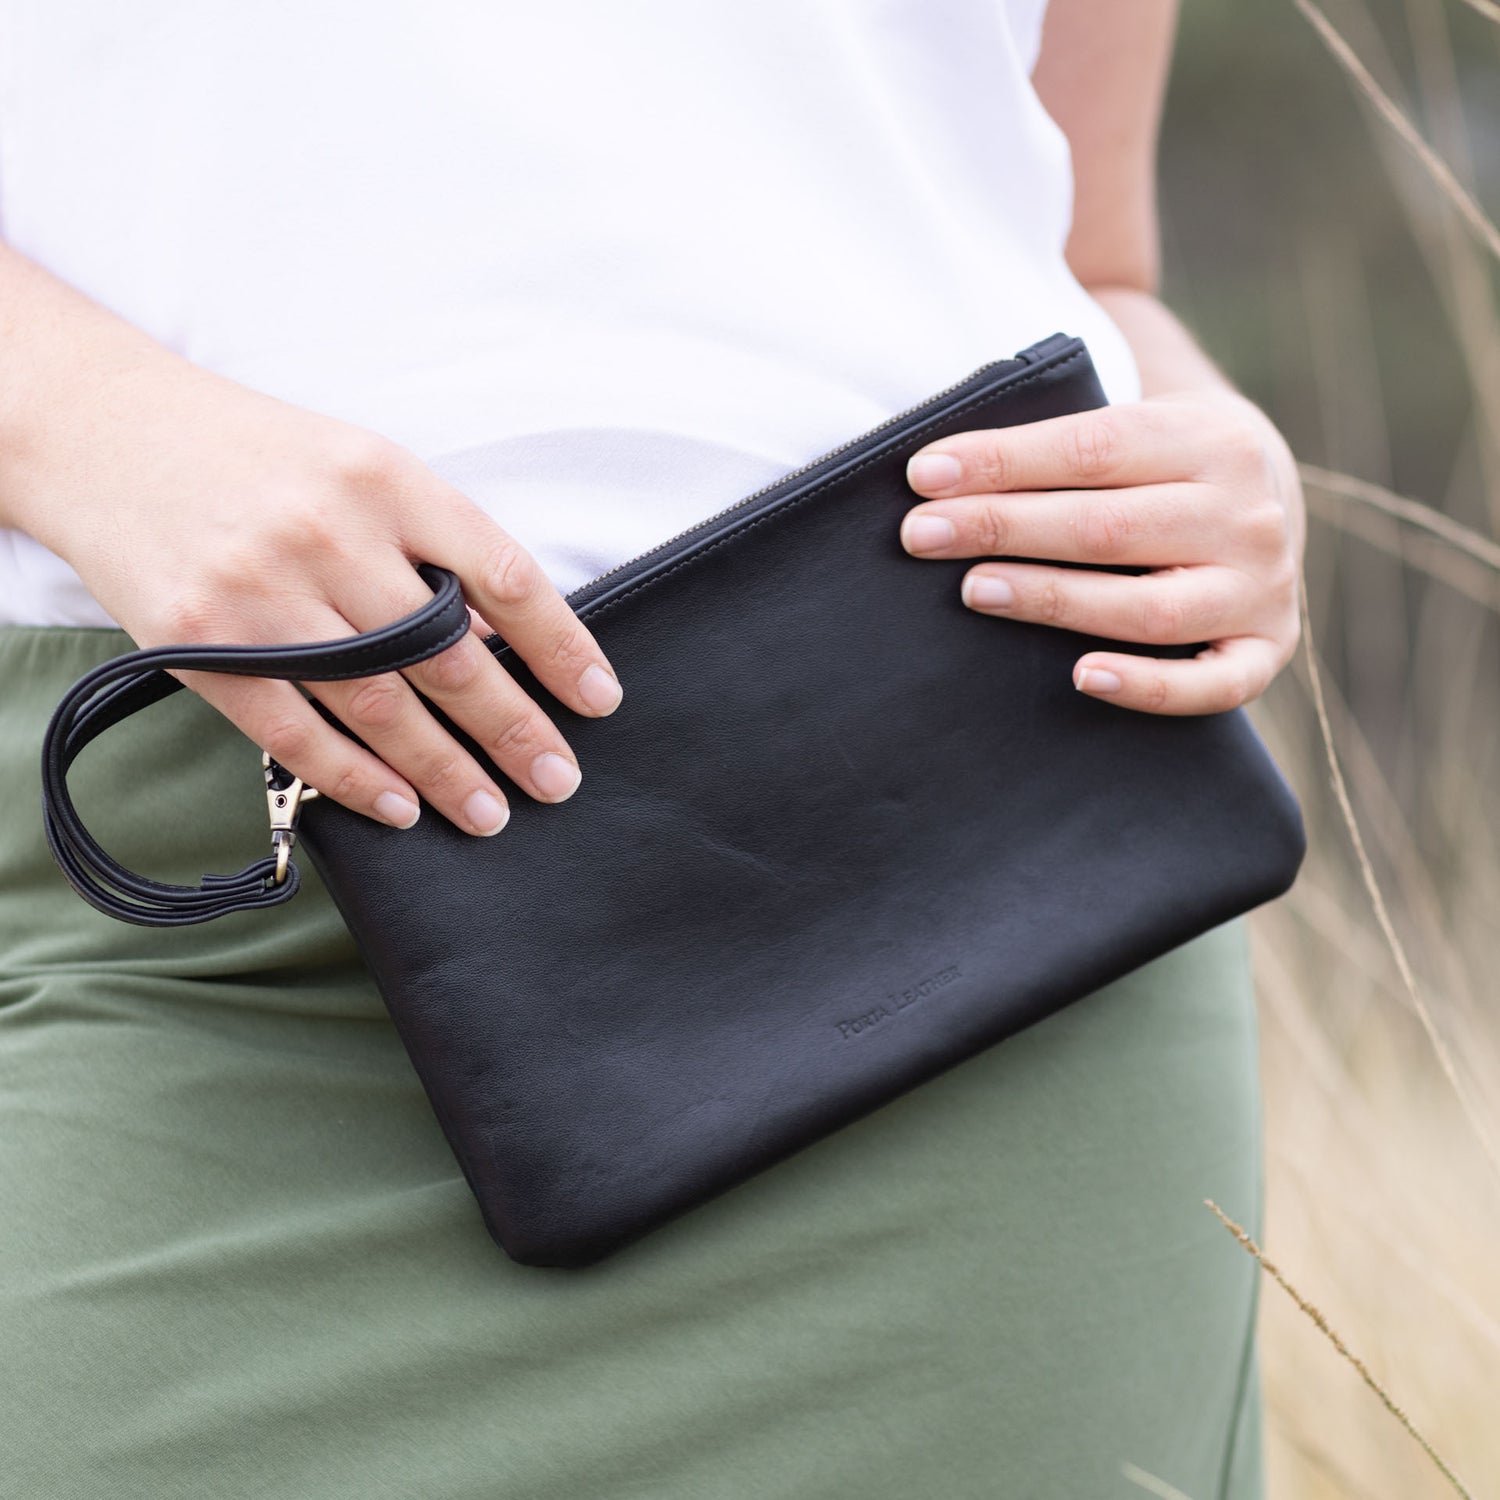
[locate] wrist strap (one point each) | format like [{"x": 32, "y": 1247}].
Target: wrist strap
[{"x": 118, "y": 688}]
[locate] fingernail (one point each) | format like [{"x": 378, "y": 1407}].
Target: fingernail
[
  {"x": 599, "y": 690},
  {"x": 933, "y": 471},
  {"x": 928, "y": 533},
  {"x": 398, "y": 811},
  {"x": 985, "y": 591},
  {"x": 486, "y": 813},
  {"x": 555, "y": 776},
  {"x": 1097, "y": 680}
]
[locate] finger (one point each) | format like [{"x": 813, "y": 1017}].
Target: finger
[
  {"x": 275, "y": 716},
  {"x": 1152, "y": 525},
  {"x": 473, "y": 689},
  {"x": 508, "y": 588},
  {"x": 1173, "y": 606},
  {"x": 389, "y": 717},
  {"x": 1141, "y": 443},
  {"x": 1223, "y": 676}
]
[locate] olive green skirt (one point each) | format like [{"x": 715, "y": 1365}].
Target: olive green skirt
[{"x": 237, "y": 1258}]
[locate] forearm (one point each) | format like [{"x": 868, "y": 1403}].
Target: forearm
[{"x": 67, "y": 366}]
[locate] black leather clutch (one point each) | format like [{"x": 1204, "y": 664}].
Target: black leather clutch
[{"x": 843, "y": 834}]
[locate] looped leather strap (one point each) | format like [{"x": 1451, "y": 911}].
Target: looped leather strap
[{"x": 118, "y": 688}]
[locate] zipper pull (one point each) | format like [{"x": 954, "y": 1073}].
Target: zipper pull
[{"x": 1053, "y": 344}]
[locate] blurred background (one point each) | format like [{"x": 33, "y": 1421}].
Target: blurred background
[{"x": 1337, "y": 276}]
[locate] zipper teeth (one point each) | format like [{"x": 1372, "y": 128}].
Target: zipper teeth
[{"x": 812, "y": 463}]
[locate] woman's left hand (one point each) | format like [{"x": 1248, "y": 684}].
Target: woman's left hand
[{"x": 1200, "y": 489}]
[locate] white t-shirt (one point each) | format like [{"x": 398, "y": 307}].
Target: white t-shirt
[{"x": 607, "y": 267}]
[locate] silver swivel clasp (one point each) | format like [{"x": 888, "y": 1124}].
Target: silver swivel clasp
[{"x": 285, "y": 795}]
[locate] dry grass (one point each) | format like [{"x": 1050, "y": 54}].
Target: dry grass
[{"x": 1381, "y": 1039}]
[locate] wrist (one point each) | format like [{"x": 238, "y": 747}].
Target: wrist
[
  {"x": 74, "y": 435},
  {"x": 71, "y": 373}
]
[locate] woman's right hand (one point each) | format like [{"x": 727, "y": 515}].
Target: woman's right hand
[{"x": 196, "y": 510}]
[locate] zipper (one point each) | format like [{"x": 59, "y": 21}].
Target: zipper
[{"x": 979, "y": 378}]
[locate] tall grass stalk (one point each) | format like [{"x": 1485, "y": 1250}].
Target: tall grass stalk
[
  {"x": 1325, "y": 1328},
  {"x": 1380, "y": 1006}
]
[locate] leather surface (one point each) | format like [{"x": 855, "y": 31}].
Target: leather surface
[{"x": 841, "y": 834}]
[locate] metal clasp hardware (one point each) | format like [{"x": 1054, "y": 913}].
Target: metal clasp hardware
[{"x": 285, "y": 795}]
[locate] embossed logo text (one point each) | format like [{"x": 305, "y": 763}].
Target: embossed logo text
[{"x": 896, "y": 1002}]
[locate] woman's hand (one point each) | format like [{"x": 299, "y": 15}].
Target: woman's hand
[
  {"x": 1199, "y": 488},
  {"x": 197, "y": 510}
]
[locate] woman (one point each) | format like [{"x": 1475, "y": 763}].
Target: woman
[{"x": 294, "y": 295}]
